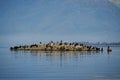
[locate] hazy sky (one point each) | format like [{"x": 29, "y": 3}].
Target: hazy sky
[{"x": 28, "y": 21}]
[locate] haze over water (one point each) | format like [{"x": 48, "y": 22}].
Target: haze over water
[{"x": 32, "y": 21}]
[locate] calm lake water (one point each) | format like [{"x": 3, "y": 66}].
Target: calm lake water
[{"x": 39, "y": 65}]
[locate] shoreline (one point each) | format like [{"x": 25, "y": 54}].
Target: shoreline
[{"x": 57, "y": 46}]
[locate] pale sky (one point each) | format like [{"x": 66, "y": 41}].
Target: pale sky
[{"x": 30, "y": 21}]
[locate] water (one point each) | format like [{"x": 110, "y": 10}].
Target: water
[{"x": 39, "y": 65}]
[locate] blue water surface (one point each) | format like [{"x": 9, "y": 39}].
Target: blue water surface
[{"x": 69, "y": 65}]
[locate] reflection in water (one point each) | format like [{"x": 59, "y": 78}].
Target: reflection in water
[
  {"x": 108, "y": 52},
  {"x": 59, "y": 57},
  {"x": 63, "y": 53},
  {"x": 59, "y": 53},
  {"x": 68, "y": 65}
]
